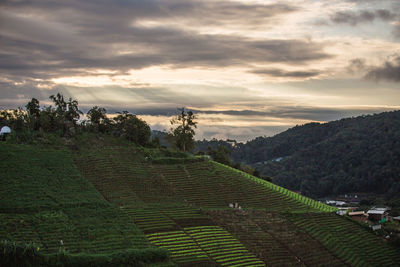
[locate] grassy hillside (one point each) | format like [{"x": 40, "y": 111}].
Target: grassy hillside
[
  {"x": 45, "y": 201},
  {"x": 107, "y": 197}
]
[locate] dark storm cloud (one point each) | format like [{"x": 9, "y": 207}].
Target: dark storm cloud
[
  {"x": 354, "y": 18},
  {"x": 45, "y": 39},
  {"x": 194, "y": 11},
  {"x": 389, "y": 71},
  {"x": 287, "y": 74}
]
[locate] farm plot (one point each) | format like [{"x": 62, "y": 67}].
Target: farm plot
[
  {"x": 274, "y": 239},
  {"x": 19, "y": 228},
  {"x": 311, "y": 205},
  {"x": 44, "y": 200},
  {"x": 156, "y": 218},
  {"x": 149, "y": 219},
  {"x": 205, "y": 243},
  {"x": 356, "y": 245},
  {"x": 258, "y": 241},
  {"x": 209, "y": 185},
  {"x": 183, "y": 248},
  {"x": 187, "y": 216},
  {"x": 122, "y": 178},
  {"x": 222, "y": 247}
]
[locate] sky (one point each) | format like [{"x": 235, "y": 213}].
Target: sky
[{"x": 246, "y": 68}]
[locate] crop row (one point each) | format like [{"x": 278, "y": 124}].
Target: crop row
[
  {"x": 183, "y": 248},
  {"x": 222, "y": 246},
  {"x": 149, "y": 219},
  {"x": 210, "y": 243},
  {"x": 349, "y": 241},
  {"x": 220, "y": 186},
  {"x": 73, "y": 230},
  {"x": 302, "y": 199},
  {"x": 206, "y": 184}
]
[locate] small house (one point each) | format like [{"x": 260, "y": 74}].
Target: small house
[{"x": 377, "y": 214}]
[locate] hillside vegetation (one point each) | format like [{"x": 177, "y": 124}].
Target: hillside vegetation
[
  {"x": 350, "y": 155},
  {"x": 44, "y": 201},
  {"x": 110, "y": 196}
]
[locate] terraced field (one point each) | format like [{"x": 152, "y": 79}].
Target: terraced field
[
  {"x": 205, "y": 243},
  {"x": 347, "y": 240},
  {"x": 274, "y": 239},
  {"x": 121, "y": 199},
  {"x": 176, "y": 204},
  {"x": 44, "y": 200}
]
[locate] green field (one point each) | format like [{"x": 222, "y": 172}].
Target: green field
[
  {"x": 103, "y": 199},
  {"x": 45, "y": 201}
]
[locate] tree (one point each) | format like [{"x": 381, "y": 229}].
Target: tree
[
  {"x": 98, "y": 118},
  {"x": 67, "y": 113},
  {"x": 48, "y": 119},
  {"x": 221, "y": 154},
  {"x": 33, "y": 109},
  {"x": 132, "y": 128},
  {"x": 184, "y": 132}
]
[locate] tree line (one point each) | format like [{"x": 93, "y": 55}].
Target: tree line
[{"x": 65, "y": 119}]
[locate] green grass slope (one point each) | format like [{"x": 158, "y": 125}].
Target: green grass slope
[
  {"x": 45, "y": 201},
  {"x": 102, "y": 199},
  {"x": 169, "y": 199}
]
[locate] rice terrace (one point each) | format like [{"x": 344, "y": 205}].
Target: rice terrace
[{"x": 107, "y": 203}]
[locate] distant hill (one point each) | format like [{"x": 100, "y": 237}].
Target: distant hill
[{"x": 359, "y": 154}]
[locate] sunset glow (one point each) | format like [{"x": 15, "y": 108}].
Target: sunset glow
[{"x": 247, "y": 68}]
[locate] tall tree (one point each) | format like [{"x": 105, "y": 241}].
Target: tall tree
[
  {"x": 67, "y": 113},
  {"x": 184, "y": 132},
  {"x": 98, "y": 119},
  {"x": 33, "y": 109}
]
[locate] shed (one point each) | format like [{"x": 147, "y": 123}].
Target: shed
[
  {"x": 377, "y": 214},
  {"x": 376, "y": 227}
]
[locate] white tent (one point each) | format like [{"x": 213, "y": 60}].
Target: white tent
[{"x": 5, "y": 130}]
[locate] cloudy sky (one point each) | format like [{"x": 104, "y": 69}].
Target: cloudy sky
[{"x": 247, "y": 68}]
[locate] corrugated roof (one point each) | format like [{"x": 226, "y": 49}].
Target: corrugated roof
[{"x": 376, "y": 211}]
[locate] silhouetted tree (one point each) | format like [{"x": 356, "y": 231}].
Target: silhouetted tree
[
  {"x": 33, "y": 110},
  {"x": 67, "y": 113},
  {"x": 98, "y": 119},
  {"x": 132, "y": 128},
  {"x": 184, "y": 132}
]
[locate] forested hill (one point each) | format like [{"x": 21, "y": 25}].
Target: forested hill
[{"x": 359, "y": 154}]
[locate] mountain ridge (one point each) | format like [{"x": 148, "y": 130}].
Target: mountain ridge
[{"x": 363, "y": 152}]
